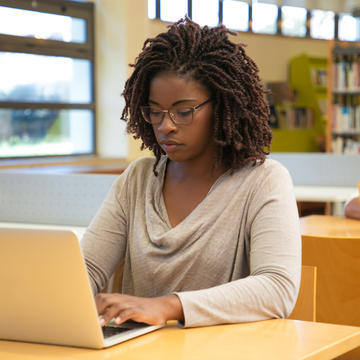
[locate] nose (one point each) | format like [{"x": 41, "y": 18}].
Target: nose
[{"x": 167, "y": 125}]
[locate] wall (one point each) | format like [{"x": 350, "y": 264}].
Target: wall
[
  {"x": 120, "y": 33},
  {"x": 110, "y": 67},
  {"x": 121, "y": 29}
]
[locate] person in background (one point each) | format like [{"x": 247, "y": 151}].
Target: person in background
[
  {"x": 352, "y": 206},
  {"x": 207, "y": 230}
]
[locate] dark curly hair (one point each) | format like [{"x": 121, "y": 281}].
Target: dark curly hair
[{"x": 241, "y": 114}]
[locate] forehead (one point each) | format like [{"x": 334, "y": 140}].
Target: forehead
[{"x": 167, "y": 88}]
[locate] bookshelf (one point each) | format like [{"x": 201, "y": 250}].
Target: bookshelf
[
  {"x": 308, "y": 77},
  {"x": 292, "y": 124},
  {"x": 343, "y": 130}
]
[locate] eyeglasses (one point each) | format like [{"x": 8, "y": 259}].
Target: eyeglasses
[{"x": 180, "y": 116}]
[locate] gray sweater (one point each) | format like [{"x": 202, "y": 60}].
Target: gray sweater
[{"x": 235, "y": 258}]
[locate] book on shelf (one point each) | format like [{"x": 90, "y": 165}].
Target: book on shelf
[
  {"x": 280, "y": 93},
  {"x": 284, "y": 113},
  {"x": 273, "y": 119},
  {"x": 318, "y": 76},
  {"x": 346, "y": 70},
  {"x": 290, "y": 117},
  {"x": 346, "y": 114},
  {"x": 345, "y": 145}
]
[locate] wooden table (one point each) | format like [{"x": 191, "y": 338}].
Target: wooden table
[
  {"x": 272, "y": 339},
  {"x": 334, "y": 226},
  {"x": 66, "y": 165}
]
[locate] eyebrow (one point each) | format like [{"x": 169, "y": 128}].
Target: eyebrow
[{"x": 173, "y": 104}]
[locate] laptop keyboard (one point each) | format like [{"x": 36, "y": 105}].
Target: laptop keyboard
[{"x": 112, "y": 330}]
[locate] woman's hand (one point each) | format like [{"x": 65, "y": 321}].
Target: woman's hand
[{"x": 153, "y": 311}]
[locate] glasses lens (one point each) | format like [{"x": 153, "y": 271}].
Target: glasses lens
[
  {"x": 152, "y": 115},
  {"x": 183, "y": 115}
]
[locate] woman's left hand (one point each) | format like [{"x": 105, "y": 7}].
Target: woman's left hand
[{"x": 152, "y": 311}]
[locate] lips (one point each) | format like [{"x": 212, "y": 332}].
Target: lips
[
  {"x": 169, "y": 145},
  {"x": 169, "y": 142}
]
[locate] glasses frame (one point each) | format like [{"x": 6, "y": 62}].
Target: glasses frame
[{"x": 171, "y": 114}]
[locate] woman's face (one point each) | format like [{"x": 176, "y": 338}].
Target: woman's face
[{"x": 182, "y": 142}]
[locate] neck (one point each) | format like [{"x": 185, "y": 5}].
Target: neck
[{"x": 195, "y": 170}]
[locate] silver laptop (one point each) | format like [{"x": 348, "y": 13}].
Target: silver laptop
[{"x": 47, "y": 296}]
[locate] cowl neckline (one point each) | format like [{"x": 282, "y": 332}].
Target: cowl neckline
[{"x": 160, "y": 231}]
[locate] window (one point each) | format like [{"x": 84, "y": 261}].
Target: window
[
  {"x": 44, "y": 78},
  {"x": 236, "y": 15},
  {"x": 42, "y": 25},
  {"x": 264, "y": 18},
  {"x": 205, "y": 12},
  {"x": 173, "y": 10},
  {"x": 152, "y": 9},
  {"x": 47, "y": 102},
  {"x": 322, "y": 24},
  {"x": 293, "y": 21},
  {"x": 349, "y": 28}
]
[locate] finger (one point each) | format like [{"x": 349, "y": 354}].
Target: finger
[
  {"x": 124, "y": 315},
  {"x": 118, "y": 320},
  {"x": 101, "y": 303},
  {"x": 102, "y": 321},
  {"x": 104, "y": 301},
  {"x": 118, "y": 312},
  {"x": 106, "y": 317}
]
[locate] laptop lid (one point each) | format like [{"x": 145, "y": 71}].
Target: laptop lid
[{"x": 47, "y": 294}]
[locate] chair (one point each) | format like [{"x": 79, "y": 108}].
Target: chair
[
  {"x": 305, "y": 307},
  {"x": 114, "y": 284},
  {"x": 338, "y": 277}
]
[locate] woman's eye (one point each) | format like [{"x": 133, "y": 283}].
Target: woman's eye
[
  {"x": 183, "y": 112},
  {"x": 154, "y": 112}
]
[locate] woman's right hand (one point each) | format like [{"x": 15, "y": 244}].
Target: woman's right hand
[{"x": 152, "y": 311}]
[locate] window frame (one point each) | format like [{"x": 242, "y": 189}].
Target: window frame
[
  {"x": 279, "y": 22},
  {"x": 30, "y": 45}
]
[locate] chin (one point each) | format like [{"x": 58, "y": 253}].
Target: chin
[{"x": 176, "y": 157}]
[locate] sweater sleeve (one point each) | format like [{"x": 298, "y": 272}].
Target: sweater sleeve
[
  {"x": 104, "y": 242},
  {"x": 274, "y": 255}
]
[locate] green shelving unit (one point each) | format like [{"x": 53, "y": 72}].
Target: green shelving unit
[
  {"x": 308, "y": 77},
  {"x": 294, "y": 140}
]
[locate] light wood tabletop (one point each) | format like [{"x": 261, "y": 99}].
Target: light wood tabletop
[
  {"x": 272, "y": 339},
  {"x": 323, "y": 225}
]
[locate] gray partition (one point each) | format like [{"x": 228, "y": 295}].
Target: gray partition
[
  {"x": 52, "y": 198},
  {"x": 321, "y": 169},
  {"x": 61, "y": 199}
]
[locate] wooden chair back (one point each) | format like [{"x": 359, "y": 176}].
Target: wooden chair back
[
  {"x": 114, "y": 284},
  {"x": 337, "y": 260},
  {"x": 305, "y": 307}
]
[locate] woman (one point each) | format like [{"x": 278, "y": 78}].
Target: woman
[{"x": 208, "y": 228}]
